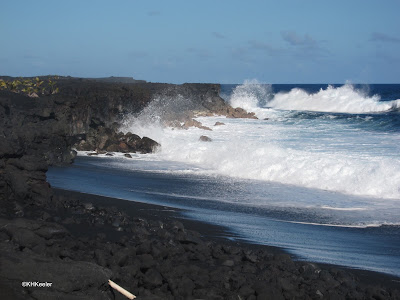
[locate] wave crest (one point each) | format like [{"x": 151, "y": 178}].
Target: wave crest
[{"x": 344, "y": 99}]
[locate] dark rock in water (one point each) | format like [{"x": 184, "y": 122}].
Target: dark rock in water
[
  {"x": 147, "y": 145},
  {"x": 219, "y": 123},
  {"x": 105, "y": 139},
  {"x": 128, "y": 155},
  {"x": 205, "y": 138},
  {"x": 93, "y": 154},
  {"x": 109, "y": 154},
  {"x": 194, "y": 123},
  {"x": 239, "y": 112},
  {"x": 132, "y": 140}
]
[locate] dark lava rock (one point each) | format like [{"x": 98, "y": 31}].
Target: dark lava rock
[
  {"x": 147, "y": 145},
  {"x": 73, "y": 278},
  {"x": 105, "y": 140},
  {"x": 219, "y": 123},
  {"x": 152, "y": 279},
  {"x": 205, "y": 138}
]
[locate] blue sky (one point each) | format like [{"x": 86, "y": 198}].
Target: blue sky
[{"x": 298, "y": 41}]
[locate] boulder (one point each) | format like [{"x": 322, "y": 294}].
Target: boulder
[
  {"x": 239, "y": 112},
  {"x": 106, "y": 140},
  {"x": 147, "y": 145},
  {"x": 205, "y": 138},
  {"x": 194, "y": 123},
  {"x": 152, "y": 278},
  {"x": 113, "y": 148},
  {"x": 132, "y": 140}
]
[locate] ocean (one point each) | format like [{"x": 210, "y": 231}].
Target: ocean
[{"x": 318, "y": 173}]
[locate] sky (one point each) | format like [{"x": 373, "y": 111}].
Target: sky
[{"x": 297, "y": 41}]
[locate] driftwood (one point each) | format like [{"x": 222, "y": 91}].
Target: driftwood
[{"x": 121, "y": 290}]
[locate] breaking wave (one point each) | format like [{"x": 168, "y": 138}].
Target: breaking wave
[{"x": 344, "y": 99}]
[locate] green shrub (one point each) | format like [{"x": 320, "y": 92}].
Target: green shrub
[{"x": 31, "y": 87}]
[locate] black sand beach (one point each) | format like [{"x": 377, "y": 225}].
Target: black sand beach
[
  {"x": 154, "y": 253},
  {"x": 208, "y": 232}
]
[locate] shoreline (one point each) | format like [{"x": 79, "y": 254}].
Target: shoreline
[
  {"x": 156, "y": 212},
  {"x": 155, "y": 253},
  {"x": 214, "y": 232},
  {"x": 374, "y": 249}
]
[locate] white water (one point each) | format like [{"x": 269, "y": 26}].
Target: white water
[
  {"x": 344, "y": 99},
  {"x": 319, "y": 153}
]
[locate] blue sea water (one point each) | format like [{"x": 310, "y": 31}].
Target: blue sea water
[{"x": 318, "y": 173}]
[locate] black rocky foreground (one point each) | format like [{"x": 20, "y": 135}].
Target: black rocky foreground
[
  {"x": 48, "y": 236},
  {"x": 79, "y": 242}
]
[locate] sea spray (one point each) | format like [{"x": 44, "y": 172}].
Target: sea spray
[
  {"x": 251, "y": 95},
  {"x": 257, "y": 151},
  {"x": 321, "y": 151},
  {"x": 344, "y": 99}
]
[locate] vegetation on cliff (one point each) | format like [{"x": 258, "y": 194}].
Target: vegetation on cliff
[{"x": 32, "y": 87}]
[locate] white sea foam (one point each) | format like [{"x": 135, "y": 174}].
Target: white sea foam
[
  {"x": 344, "y": 208},
  {"x": 251, "y": 95},
  {"x": 318, "y": 153},
  {"x": 338, "y": 225},
  {"x": 262, "y": 151},
  {"x": 344, "y": 99}
]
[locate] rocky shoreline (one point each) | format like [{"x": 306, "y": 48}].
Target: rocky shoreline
[
  {"x": 36, "y": 132},
  {"x": 61, "y": 237},
  {"x": 81, "y": 241}
]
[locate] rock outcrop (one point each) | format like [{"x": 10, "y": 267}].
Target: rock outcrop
[
  {"x": 205, "y": 138},
  {"x": 107, "y": 140},
  {"x": 85, "y": 115}
]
